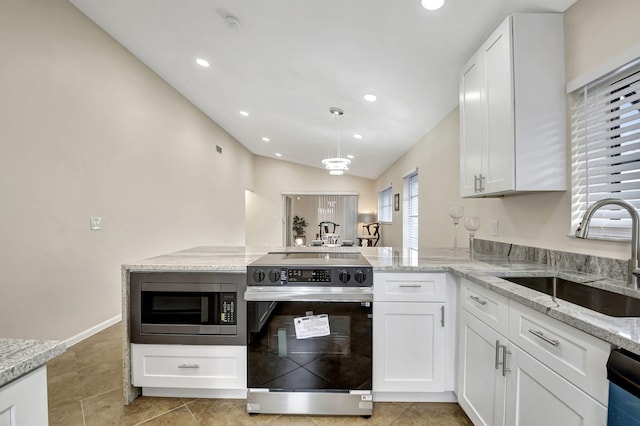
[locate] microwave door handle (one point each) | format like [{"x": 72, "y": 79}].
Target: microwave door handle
[{"x": 204, "y": 310}]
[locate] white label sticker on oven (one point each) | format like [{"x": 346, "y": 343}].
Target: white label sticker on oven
[{"x": 312, "y": 326}]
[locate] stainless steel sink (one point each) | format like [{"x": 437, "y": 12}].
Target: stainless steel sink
[{"x": 596, "y": 299}]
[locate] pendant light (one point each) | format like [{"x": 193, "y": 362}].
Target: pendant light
[{"x": 336, "y": 164}]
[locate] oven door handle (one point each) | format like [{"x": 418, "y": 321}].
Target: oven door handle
[{"x": 309, "y": 294}]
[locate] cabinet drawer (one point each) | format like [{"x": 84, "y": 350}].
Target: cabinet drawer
[
  {"x": 578, "y": 357},
  {"x": 409, "y": 287},
  {"x": 488, "y": 306},
  {"x": 184, "y": 366}
]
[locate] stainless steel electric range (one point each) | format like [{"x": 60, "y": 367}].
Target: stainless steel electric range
[{"x": 309, "y": 334}]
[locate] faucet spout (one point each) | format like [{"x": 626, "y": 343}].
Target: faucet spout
[{"x": 634, "y": 263}]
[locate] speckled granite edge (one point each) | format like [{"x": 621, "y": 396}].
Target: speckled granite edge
[
  {"x": 621, "y": 332},
  {"x": 20, "y": 356}
]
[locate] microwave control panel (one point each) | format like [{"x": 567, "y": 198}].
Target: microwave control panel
[{"x": 228, "y": 308}]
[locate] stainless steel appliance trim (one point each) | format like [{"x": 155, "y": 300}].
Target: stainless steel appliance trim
[
  {"x": 309, "y": 294},
  {"x": 187, "y": 329},
  {"x": 311, "y": 403},
  {"x": 182, "y": 287}
]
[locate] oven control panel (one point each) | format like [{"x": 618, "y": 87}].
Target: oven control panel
[{"x": 310, "y": 276}]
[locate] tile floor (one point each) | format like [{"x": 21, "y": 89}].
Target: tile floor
[{"x": 85, "y": 388}]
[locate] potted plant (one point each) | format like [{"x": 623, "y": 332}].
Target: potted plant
[{"x": 298, "y": 225}]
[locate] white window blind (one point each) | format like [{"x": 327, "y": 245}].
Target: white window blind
[
  {"x": 606, "y": 151},
  {"x": 410, "y": 215},
  {"x": 385, "y": 205}
]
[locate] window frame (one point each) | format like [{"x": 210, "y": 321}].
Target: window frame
[
  {"x": 410, "y": 218},
  {"x": 385, "y": 205}
]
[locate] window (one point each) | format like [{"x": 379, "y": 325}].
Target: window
[
  {"x": 410, "y": 215},
  {"x": 384, "y": 205},
  {"x": 606, "y": 151}
]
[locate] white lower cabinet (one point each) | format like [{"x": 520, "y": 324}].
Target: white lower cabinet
[
  {"x": 410, "y": 358},
  {"x": 413, "y": 341},
  {"x": 24, "y": 400},
  {"x": 182, "y": 370},
  {"x": 537, "y": 396},
  {"x": 500, "y": 383},
  {"x": 481, "y": 384}
]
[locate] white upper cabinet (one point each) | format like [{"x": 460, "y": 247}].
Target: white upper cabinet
[{"x": 512, "y": 110}]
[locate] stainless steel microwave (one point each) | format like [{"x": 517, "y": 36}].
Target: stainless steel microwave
[{"x": 196, "y": 308}]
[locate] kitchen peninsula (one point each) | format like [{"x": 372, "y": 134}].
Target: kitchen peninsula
[{"x": 484, "y": 270}]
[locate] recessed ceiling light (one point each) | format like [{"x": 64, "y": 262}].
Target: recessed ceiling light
[
  {"x": 370, "y": 97},
  {"x": 266, "y": 139},
  {"x": 357, "y": 136},
  {"x": 350, "y": 157},
  {"x": 202, "y": 62},
  {"x": 278, "y": 154},
  {"x": 244, "y": 113},
  {"x": 432, "y": 4}
]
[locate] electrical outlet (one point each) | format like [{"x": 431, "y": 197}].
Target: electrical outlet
[
  {"x": 494, "y": 228},
  {"x": 96, "y": 223}
]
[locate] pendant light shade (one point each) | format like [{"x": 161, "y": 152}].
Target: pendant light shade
[{"x": 336, "y": 164}]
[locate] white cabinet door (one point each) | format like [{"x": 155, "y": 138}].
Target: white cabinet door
[
  {"x": 189, "y": 366},
  {"x": 472, "y": 126},
  {"x": 512, "y": 109},
  {"x": 24, "y": 400},
  {"x": 538, "y": 396},
  {"x": 481, "y": 386},
  {"x": 409, "y": 347},
  {"x": 499, "y": 169}
]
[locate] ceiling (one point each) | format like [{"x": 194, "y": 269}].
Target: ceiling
[{"x": 289, "y": 61}]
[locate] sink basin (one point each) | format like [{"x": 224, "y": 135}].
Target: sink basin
[{"x": 596, "y": 299}]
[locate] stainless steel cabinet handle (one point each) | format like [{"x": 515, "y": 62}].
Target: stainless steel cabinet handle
[
  {"x": 497, "y": 354},
  {"x": 482, "y": 180},
  {"x": 188, "y": 366},
  {"x": 410, "y": 285},
  {"x": 505, "y": 352},
  {"x": 478, "y": 300},
  {"x": 476, "y": 181},
  {"x": 442, "y": 311},
  {"x": 541, "y": 335}
]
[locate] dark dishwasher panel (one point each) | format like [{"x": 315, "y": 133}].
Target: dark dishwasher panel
[{"x": 623, "y": 372}]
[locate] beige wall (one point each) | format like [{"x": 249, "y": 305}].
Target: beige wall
[
  {"x": 88, "y": 130},
  {"x": 275, "y": 177},
  {"x": 541, "y": 220}
]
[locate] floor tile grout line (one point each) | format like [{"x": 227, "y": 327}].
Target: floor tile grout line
[
  {"x": 159, "y": 415},
  {"x": 98, "y": 394},
  {"x": 190, "y": 412},
  {"x": 84, "y": 420}
]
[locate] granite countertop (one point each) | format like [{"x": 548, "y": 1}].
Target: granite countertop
[
  {"x": 19, "y": 356},
  {"x": 483, "y": 269}
]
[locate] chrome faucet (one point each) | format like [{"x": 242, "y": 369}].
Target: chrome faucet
[{"x": 634, "y": 263}]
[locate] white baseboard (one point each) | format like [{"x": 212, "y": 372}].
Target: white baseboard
[{"x": 93, "y": 330}]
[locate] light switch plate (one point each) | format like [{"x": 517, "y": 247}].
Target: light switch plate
[
  {"x": 96, "y": 223},
  {"x": 494, "y": 228}
]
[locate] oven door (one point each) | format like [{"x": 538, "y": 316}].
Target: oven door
[{"x": 302, "y": 340}]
